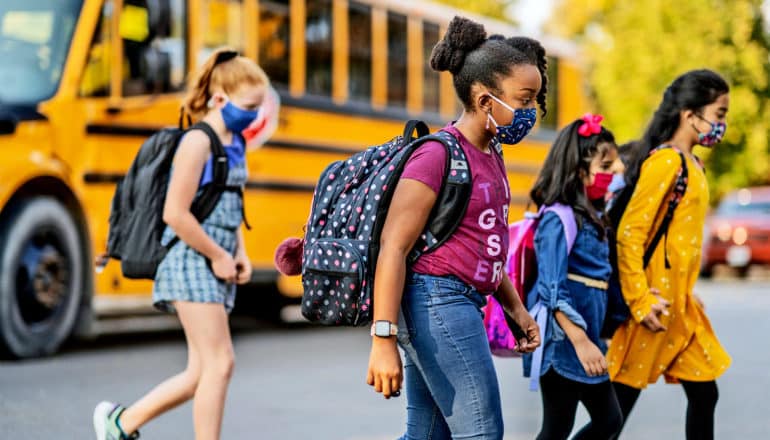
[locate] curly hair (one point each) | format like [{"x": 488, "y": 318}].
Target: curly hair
[{"x": 470, "y": 56}]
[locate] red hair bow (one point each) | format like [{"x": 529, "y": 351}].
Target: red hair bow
[{"x": 592, "y": 124}]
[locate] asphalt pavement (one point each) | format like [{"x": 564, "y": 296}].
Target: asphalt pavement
[{"x": 306, "y": 382}]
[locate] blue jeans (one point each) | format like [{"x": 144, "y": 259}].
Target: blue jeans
[{"x": 451, "y": 384}]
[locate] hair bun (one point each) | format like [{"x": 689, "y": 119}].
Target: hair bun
[{"x": 462, "y": 36}]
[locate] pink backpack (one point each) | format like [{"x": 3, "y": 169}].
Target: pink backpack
[{"x": 522, "y": 270}]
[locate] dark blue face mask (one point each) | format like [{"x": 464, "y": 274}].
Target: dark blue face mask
[
  {"x": 523, "y": 121},
  {"x": 237, "y": 119}
]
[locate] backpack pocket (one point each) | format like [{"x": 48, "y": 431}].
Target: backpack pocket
[{"x": 336, "y": 291}]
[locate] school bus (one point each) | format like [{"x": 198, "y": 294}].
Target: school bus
[{"x": 84, "y": 82}]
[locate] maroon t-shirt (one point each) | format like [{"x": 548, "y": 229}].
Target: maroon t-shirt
[{"x": 477, "y": 250}]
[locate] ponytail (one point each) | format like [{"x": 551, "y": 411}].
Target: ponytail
[{"x": 224, "y": 70}]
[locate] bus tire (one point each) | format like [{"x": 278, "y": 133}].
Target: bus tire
[{"x": 41, "y": 277}]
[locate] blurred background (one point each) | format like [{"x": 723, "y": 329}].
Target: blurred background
[{"x": 84, "y": 82}]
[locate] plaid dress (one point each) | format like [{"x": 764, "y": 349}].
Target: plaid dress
[{"x": 185, "y": 274}]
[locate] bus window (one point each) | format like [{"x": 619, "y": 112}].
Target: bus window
[
  {"x": 318, "y": 38},
  {"x": 360, "y": 29},
  {"x": 274, "y": 44},
  {"x": 430, "y": 82},
  {"x": 222, "y": 25},
  {"x": 154, "y": 45},
  {"x": 396, "y": 60},
  {"x": 96, "y": 75},
  {"x": 552, "y": 98},
  {"x": 34, "y": 41}
]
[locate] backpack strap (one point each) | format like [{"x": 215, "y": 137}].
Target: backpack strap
[
  {"x": 452, "y": 201},
  {"x": 568, "y": 220},
  {"x": 203, "y": 205},
  {"x": 412, "y": 125},
  {"x": 539, "y": 311},
  {"x": 677, "y": 193}
]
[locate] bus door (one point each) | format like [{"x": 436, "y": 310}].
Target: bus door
[{"x": 132, "y": 85}]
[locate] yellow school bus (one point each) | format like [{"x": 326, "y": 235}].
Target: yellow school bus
[{"x": 84, "y": 82}]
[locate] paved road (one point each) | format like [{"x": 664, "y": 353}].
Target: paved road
[{"x": 308, "y": 383}]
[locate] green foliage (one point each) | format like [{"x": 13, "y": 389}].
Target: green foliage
[{"x": 633, "y": 50}]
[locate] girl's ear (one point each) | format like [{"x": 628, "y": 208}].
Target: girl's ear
[
  {"x": 686, "y": 115},
  {"x": 217, "y": 100},
  {"x": 483, "y": 101}
]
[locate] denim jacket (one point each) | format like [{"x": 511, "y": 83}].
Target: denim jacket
[{"x": 585, "y": 306}]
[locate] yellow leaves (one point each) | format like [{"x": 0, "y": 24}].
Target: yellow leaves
[
  {"x": 634, "y": 49},
  {"x": 490, "y": 8},
  {"x": 571, "y": 17}
]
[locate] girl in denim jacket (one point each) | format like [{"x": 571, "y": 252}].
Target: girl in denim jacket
[{"x": 571, "y": 284}]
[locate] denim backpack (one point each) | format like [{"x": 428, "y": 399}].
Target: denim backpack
[
  {"x": 522, "y": 270},
  {"x": 348, "y": 212}
]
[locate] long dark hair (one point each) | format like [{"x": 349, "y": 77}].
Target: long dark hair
[
  {"x": 691, "y": 91},
  {"x": 560, "y": 179},
  {"x": 467, "y": 53}
]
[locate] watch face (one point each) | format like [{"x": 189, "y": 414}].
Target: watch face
[{"x": 382, "y": 328}]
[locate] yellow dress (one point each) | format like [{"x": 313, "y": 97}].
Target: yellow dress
[{"x": 689, "y": 349}]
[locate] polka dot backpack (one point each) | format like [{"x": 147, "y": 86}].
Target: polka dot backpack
[{"x": 348, "y": 212}]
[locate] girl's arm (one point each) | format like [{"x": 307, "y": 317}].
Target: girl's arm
[
  {"x": 190, "y": 158},
  {"x": 552, "y": 265},
  {"x": 407, "y": 216},
  {"x": 588, "y": 353},
  {"x": 242, "y": 261},
  {"x": 636, "y": 227},
  {"x": 512, "y": 305}
]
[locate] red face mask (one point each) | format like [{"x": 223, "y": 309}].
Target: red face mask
[{"x": 599, "y": 187}]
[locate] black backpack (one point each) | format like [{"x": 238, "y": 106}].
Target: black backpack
[
  {"x": 617, "y": 309},
  {"x": 136, "y": 215},
  {"x": 348, "y": 213}
]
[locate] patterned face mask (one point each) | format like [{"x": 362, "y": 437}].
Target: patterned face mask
[
  {"x": 523, "y": 121},
  {"x": 714, "y": 136}
]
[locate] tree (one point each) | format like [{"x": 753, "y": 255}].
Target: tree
[
  {"x": 490, "y": 8},
  {"x": 633, "y": 50}
]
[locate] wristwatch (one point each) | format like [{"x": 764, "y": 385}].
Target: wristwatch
[{"x": 384, "y": 329}]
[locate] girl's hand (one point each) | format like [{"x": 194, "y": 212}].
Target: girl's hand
[
  {"x": 243, "y": 268},
  {"x": 591, "y": 357},
  {"x": 385, "y": 372},
  {"x": 651, "y": 321},
  {"x": 224, "y": 267},
  {"x": 529, "y": 325}
]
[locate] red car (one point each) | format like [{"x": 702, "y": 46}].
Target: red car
[{"x": 738, "y": 232}]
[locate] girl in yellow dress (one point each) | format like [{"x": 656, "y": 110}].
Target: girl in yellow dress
[{"x": 668, "y": 332}]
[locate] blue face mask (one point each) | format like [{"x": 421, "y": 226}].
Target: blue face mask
[
  {"x": 237, "y": 119},
  {"x": 523, "y": 121},
  {"x": 618, "y": 183}
]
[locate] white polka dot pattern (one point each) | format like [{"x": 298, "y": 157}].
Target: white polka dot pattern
[{"x": 348, "y": 212}]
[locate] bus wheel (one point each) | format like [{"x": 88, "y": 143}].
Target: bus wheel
[{"x": 41, "y": 277}]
